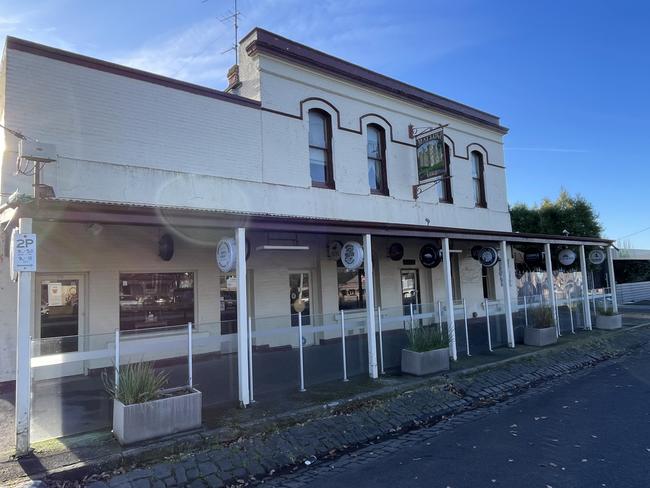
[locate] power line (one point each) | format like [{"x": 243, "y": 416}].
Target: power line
[{"x": 633, "y": 233}]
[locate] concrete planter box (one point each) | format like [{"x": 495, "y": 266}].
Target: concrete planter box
[
  {"x": 609, "y": 322},
  {"x": 422, "y": 363},
  {"x": 165, "y": 416},
  {"x": 539, "y": 337}
]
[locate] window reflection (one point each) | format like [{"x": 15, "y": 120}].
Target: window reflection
[{"x": 352, "y": 289}]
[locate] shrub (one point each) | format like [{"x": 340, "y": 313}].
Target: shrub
[
  {"x": 139, "y": 383},
  {"x": 605, "y": 311},
  {"x": 541, "y": 317},
  {"x": 422, "y": 339}
]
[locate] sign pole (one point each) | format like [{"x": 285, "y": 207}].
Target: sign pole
[{"x": 25, "y": 324}]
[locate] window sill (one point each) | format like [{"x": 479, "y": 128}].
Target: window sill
[
  {"x": 380, "y": 193},
  {"x": 325, "y": 186}
]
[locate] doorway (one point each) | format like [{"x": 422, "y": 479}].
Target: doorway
[
  {"x": 410, "y": 289},
  {"x": 300, "y": 297}
]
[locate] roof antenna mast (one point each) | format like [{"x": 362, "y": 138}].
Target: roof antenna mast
[{"x": 234, "y": 16}]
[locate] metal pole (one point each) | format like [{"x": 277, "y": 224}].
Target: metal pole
[
  {"x": 466, "y": 329},
  {"x": 24, "y": 328},
  {"x": 612, "y": 279},
  {"x": 345, "y": 360},
  {"x": 439, "y": 314},
  {"x": 370, "y": 307},
  {"x": 570, "y": 305},
  {"x": 117, "y": 359},
  {"x": 242, "y": 318},
  {"x": 551, "y": 287},
  {"x": 525, "y": 311},
  {"x": 302, "y": 365},
  {"x": 381, "y": 342},
  {"x": 190, "y": 362},
  {"x": 411, "y": 305},
  {"x": 487, "y": 318},
  {"x": 585, "y": 288},
  {"x": 507, "y": 299},
  {"x": 250, "y": 357},
  {"x": 451, "y": 324}
]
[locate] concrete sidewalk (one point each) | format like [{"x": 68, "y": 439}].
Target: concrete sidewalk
[{"x": 257, "y": 442}]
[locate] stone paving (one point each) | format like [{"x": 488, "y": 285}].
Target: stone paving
[{"x": 352, "y": 426}]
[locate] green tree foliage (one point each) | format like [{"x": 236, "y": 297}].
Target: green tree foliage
[{"x": 574, "y": 214}]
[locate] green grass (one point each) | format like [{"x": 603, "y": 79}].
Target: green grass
[
  {"x": 422, "y": 339},
  {"x": 541, "y": 317},
  {"x": 138, "y": 383}
]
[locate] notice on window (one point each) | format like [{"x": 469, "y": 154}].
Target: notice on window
[{"x": 54, "y": 294}]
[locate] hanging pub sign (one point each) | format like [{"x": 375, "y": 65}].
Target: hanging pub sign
[
  {"x": 597, "y": 256},
  {"x": 226, "y": 254},
  {"x": 488, "y": 256},
  {"x": 566, "y": 257},
  {"x": 430, "y": 256},
  {"x": 430, "y": 149},
  {"x": 352, "y": 255}
]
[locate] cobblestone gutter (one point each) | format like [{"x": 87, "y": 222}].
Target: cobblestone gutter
[{"x": 347, "y": 426}]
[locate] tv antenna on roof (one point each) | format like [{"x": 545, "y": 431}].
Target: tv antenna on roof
[{"x": 234, "y": 17}]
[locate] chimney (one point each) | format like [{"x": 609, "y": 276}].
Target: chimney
[{"x": 233, "y": 78}]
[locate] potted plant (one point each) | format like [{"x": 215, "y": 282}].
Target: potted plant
[
  {"x": 607, "y": 319},
  {"x": 540, "y": 330},
  {"x": 427, "y": 352},
  {"x": 143, "y": 409}
]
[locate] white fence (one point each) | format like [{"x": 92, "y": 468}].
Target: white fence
[{"x": 633, "y": 292}]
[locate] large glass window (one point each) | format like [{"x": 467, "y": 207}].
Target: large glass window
[
  {"x": 444, "y": 186},
  {"x": 320, "y": 149},
  {"x": 299, "y": 299},
  {"x": 156, "y": 300},
  {"x": 478, "y": 179},
  {"x": 377, "y": 160},
  {"x": 228, "y": 303},
  {"x": 352, "y": 289}
]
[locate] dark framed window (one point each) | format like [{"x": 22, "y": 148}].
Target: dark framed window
[
  {"x": 444, "y": 192},
  {"x": 352, "y": 289},
  {"x": 377, "y": 160},
  {"x": 487, "y": 276},
  {"x": 320, "y": 149},
  {"x": 149, "y": 300},
  {"x": 478, "y": 179}
]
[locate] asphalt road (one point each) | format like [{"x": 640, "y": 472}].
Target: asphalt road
[{"x": 589, "y": 430}]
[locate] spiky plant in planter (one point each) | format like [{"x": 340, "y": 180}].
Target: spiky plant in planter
[
  {"x": 427, "y": 351},
  {"x": 422, "y": 339},
  {"x": 138, "y": 383},
  {"x": 607, "y": 319},
  {"x": 541, "y": 331},
  {"x": 541, "y": 317}
]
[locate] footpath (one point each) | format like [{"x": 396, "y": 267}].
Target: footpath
[{"x": 207, "y": 460}]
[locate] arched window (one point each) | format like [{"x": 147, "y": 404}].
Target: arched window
[
  {"x": 320, "y": 149},
  {"x": 444, "y": 187},
  {"x": 377, "y": 160},
  {"x": 478, "y": 179}
]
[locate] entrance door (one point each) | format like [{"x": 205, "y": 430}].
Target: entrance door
[
  {"x": 300, "y": 297},
  {"x": 60, "y": 319},
  {"x": 410, "y": 289}
]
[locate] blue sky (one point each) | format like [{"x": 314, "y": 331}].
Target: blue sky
[{"x": 570, "y": 79}]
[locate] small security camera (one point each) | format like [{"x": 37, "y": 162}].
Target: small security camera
[{"x": 565, "y": 233}]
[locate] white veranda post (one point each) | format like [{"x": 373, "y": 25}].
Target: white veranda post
[
  {"x": 25, "y": 324},
  {"x": 242, "y": 318},
  {"x": 612, "y": 278},
  {"x": 505, "y": 273},
  {"x": 451, "y": 326},
  {"x": 551, "y": 285},
  {"x": 370, "y": 306},
  {"x": 585, "y": 288}
]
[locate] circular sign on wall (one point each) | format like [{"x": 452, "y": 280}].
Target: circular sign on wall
[
  {"x": 334, "y": 249},
  {"x": 430, "y": 256},
  {"x": 597, "y": 256},
  {"x": 488, "y": 256},
  {"x": 226, "y": 254},
  {"x": 166, "y": 247},
  {"x": 352, "y": 255},
  {"x": 475, "y": 251},
  {"x": 566, "y": 257},
  {"x": 396, "y": 251}
]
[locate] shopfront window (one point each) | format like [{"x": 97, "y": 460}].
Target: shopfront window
[
  {"x": 352, "y": 289},
  {"x": 150, "y": 300},
  {"x": 228, "y": 303}
]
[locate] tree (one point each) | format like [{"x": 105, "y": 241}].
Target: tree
[{"x": 573, "y": 214}]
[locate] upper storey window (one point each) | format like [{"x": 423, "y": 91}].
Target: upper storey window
[
  {"x": 444, "y": 187},
  {"x": 377, "y": 160},
  {"x": 320, "y": 149},
  {"x": 478, "y": 179}
]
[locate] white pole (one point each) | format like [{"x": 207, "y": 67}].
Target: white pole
[
  {"x": 487, "y": 318},
  {"x": 190, "y": 359},
  {"x": 411, "y": 308},
  {"x": 370, "y": 307},
  {"x": 585, "y": 288},
  {"x": 505, "y": 271},
  {"x": 242, "y": 318},
  {"x": 612, "y": 278},
  {"x": 451, "y": 325},
  {"x": 466, "y": 328},
  {"x": 439, "y": 315},
  {"x": 570, "y": 305},
  {"x": 381, "y": 341},
  {"x": 525, "y": 311},
  {"x": 25, "y": 325},
  {"x": 250, "y": 357},
  {"x": 117, "y": 359},
  {"x": 551, "y": 287},
  {"x": 345, "y": 359},
  {"x": 302, "y": 363}
]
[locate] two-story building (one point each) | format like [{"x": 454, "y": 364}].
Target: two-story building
[{"x": 302, "y": 154}]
